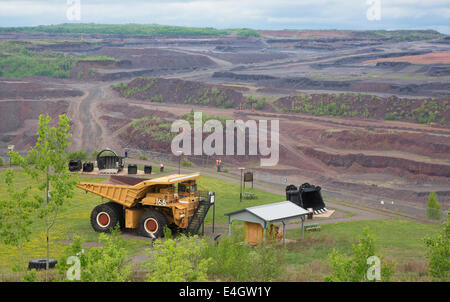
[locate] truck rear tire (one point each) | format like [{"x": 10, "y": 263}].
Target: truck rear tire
[
  {"x": 152, "y": 222},
  {"x": 119, "y": 212},
  {"x": 104, "y": 218}
]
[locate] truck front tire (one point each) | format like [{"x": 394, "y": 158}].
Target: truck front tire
[
  {"x": 104, "y": 218},
  {"x": 152, "y": 223}
]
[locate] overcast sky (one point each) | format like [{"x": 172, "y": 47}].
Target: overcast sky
[{"x": 258, "y": 14}]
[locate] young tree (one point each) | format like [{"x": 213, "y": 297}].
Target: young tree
[
  {"x": 46, "y": 164},
  {"x": 177, "y": 260},
  {"x": 434, "y": 209},
  {"x": 438, "y": 252},
  {"x": 107, "y": 263},
  {"x": 355, "y": 268},
  {"x": 16, "y": 216}
]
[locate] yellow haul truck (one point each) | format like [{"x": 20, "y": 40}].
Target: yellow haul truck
[{"x": 149, "y": 205}]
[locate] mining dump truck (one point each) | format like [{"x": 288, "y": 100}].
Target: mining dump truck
[{"x": 149, "y": 205}]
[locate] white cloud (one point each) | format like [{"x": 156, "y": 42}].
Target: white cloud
[{"x": 350, "y": 14}]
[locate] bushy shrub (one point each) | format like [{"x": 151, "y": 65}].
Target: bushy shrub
[
  {"x": 2, "y": 162},
  {"x": 186, "y": 162},
  {"x": 94, "y": 154},
  {"x": 20, "y": 61},
  {"x": 233, "y": 260},
  {"x": 355, "y": 268},
  {"x": 78, "y": 155},
  {"x": 178, "y": 260},
  {"x": 438, "y": 253},
  {"x": 107, "y": 263}
]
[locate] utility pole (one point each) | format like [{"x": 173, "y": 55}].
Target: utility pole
[
  {"x": 179, "y": 161},
  {"x": 240, "y": 195}
]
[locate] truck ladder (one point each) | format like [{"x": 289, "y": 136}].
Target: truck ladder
[{"x": 198, "y": 218}]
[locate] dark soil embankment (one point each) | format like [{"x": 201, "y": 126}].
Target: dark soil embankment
[
  {"x": 249, "y": 57},
  {"x": 154, "y": 58},
  {"x": 395, "y": 66},
  {"x": 22, "y": 116},
  {"x": 123, "y": 114},
  {"x": 431, "y": 88},
  {"x": 422, "y": 144},
  {"x": 65, "y": 46},
  {"x": 419, "y": 198},
  {"x": 88, "y": 69},
  {"x": 429, "y": 110},
  {"x": 180, "y": 92},
  {"x": 367, "y": 163},
  {"x": 435, "y": 71},
  {"x": 18, "y": 89},
  {"x": 134, "y": 62}
]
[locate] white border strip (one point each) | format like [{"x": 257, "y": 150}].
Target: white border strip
[{"x": 184, "y": 177}]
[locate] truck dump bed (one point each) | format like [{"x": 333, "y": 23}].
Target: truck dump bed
[{"x": 127, "y": 190}]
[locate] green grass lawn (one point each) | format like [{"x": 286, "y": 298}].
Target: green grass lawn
[
  {"x": 307, "y": 260},
  {"x": 227, "y": 197},
  {"x": 397, "y": 239},
  {"x": 74, "y": 219}
]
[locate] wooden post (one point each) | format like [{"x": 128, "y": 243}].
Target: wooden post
[{"x": 303, "y": 227}]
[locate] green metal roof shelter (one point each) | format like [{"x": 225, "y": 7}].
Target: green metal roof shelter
[{"x": 268, "y": 214}]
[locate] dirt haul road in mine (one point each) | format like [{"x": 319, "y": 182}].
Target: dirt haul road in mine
[{"x": 89, "y": 133}]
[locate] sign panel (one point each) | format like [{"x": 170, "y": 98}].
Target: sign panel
[{"x": 248, "y": 176}]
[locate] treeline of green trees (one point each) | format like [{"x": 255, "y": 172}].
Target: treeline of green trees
[
  {"x": 246, "y": 32},
  {"x": 133, "y": 29},
  {"x": 166, "y": 30},
  {"x": 16, "y": 61}
]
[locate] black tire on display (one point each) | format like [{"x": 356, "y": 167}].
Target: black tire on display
[
  {"x": 152, "y": 222},
  {"x": 41, "y": 263},
  {"x": 104, "y": 218}
]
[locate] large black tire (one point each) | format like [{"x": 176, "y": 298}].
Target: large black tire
[
  {"x": 104, "y": 218},
  {"x": 42, "y": 263},
  {"x": 152, "y": 222},
  {"x": 119, "y": 212}
]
